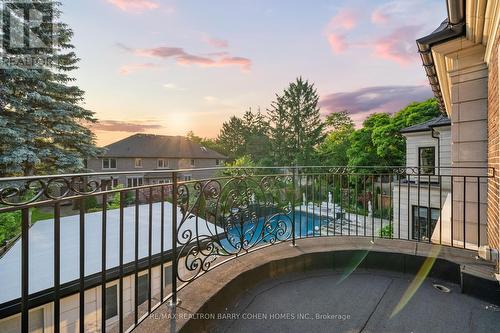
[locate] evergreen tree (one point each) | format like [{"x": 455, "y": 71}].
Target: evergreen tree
[
  {"x": 232, "y": 138},
  {"x": 43, "y": 127},
  {"x": 247, "y": 136},
  {"x": 279, "y": 132},
  {"x": 296, "y": 125},
  {"x": 205, "y": 142},
  {"x": 256, "y": 129}
]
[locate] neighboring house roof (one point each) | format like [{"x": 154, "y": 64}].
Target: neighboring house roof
[
  {"x": 428, "y": 125},
  {"x": 150, "y": 145}
]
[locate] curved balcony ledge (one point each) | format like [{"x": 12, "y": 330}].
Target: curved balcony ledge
[{"x": 215, "y": 290}]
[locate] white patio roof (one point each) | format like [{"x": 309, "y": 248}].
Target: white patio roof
[{"x": 41, "y": 246}]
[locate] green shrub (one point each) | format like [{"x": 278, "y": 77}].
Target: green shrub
[
  {"x": 10, "y": 222},
  {"x": 386, "y": 232},
  {"x": 10, "y": 225},
  {"x": 91, "y": 203},
  {"x": 115, "y": 200}
]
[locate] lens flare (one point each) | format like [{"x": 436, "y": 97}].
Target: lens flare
[
  {"x": 418, "y": 280},
  {"x": 357, "y": 260}
]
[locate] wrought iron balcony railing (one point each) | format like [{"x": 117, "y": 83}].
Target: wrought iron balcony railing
[{"x": 138, "y": 246}]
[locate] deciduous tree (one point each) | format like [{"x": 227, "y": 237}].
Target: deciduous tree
[
  {"x": 380, "y": 143},
  {"x": 390, "y": 144},
  {"x": 333, "y": 150}
]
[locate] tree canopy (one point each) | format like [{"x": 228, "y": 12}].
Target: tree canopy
[
  {"x": 379, "y": 141},
  {"x": 363, "y": 150},
  {"x": 332, "y": 151},
  {"x": 389, "y": 142},
  {"x": 293, "y": 133}
]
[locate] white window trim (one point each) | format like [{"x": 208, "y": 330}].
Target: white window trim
[
  {"x": 135, "y": 177},
  {"x": 436, "y": 162},
  {"x": 192, "y": 162},
  {"x": 166, "y": 163},
  {"x": 136, "y": 165},
  {"x": 109, "y": 159}
]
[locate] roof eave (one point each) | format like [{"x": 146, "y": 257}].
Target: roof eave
[
  {"x": 453, "y": 27},
  {"x": 415, "y": 131},
  {"x": 440, "y": 125},
  {"x": 423, "y": 129}
]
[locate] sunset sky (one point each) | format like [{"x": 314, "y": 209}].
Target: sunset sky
[{"x": 167, "y": 67}]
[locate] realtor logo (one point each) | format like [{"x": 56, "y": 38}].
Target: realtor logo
[{"x": 27, "y": 32}]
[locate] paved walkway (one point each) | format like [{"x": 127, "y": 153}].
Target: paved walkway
[
  {"x": 363, "y": 302},
  {"x": 352, "y": 223}
]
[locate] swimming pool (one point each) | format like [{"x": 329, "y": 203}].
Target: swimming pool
[{"x": 269, "y": 230}]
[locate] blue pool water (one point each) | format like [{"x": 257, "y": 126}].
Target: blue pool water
[{"x": 277, "y": 228}]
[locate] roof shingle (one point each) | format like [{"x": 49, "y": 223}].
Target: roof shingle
[
  {"x": 151, "y": 145},
  {"x": 428, "y": 125}
]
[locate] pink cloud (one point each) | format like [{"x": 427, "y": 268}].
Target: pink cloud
[
  {"x": 337, "y": 42},
  {"x": 345, "y": 19},
  {"x": 134, "y": 5},
  {"x": 124, "y": 126},
  {"x": 190, "y": 59},
  {"x": 217, "y": 54},
  {"x": 159, "y": 52},
  {"x": 221, "y": 59},
  {"x": 216, "y": 42},
  {"x": 365, "y": 101},
  {"x": 398, "y": 46},
  {"x": 132, "y": 68},
  {"x": 244, "y": 63},
  {"x": 379, "y": 17}
]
